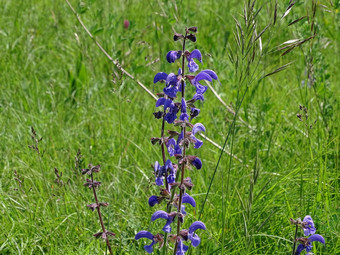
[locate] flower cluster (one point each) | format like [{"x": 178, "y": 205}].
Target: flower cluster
[
  {"x": 309, "y": 231},
  {"x": 170, "y": 176}
]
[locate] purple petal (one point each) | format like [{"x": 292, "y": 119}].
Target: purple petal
[
  {"x": 160, "y": 101},
  {"x": 184, "y": 116},
  {"x": 170, "y": 117},
  {"x": 149, "y": 248},
  {"x": 167, "y": 227},
  {"x": 188, "y": 200},
  {"x": 211, "y": 73},
  {"x": 194, "y": 112},
  {"x": 317, "y": 238},
  {"x": 299, "y": 249},
  {"x": 168, "y": 103},
  {"x": 153, "y": 200},
  {"x": 181, "y": 248},
  {"x": 197, "y": 163},
  {"x": 196, "y": 54},
  {"x": 183, "y": 106},
  {"x": 171, "y": 79},
  {"x": 171, "y": 56},
  {"x": 198, "y": 143},
  {"x": 201, "y": 76},
  {"x": 179, "y": 71},
  {"x": 170, "y": 145},
  {"x": 198, "y": 127},
  {"x": 195, "y": 240},
  {"x": 196, "y": 225},
  {"x": 200, "y": 89},
  {"x": 160, "y": 77},
  {"x": 156, "y": 166},
  {"x": 144, "y": 234},
  {"x": 193, "y": 67},
  {"x": 198, "y": 96},
  {"x": 159, "y": 214},
  {"x": 159, "y": 181},
  {"x": 171, "y": 91}
]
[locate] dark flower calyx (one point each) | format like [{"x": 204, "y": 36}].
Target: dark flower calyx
[
  {"x": 158, "y": 115},
  {"x": 192, "y": 29},
  {"x": 192, "y": 37},
  {"x": 104, "y": 235},
  {"x": 188, "y": 184},
  {"x": 91, "y": 169},
  {"x": 178, "y": 36},
  {"x": 89, "y": 183},
  {"x": 165, "y": 193},
  {"x": 295, "y": 222},
  {"x": 94, "y": 206},
  {"x": 183, "y": 124},
  {"x": 172, "y": 134},
  {"x": 184, "y": 234},
  {"x": 155, "y": 140}
]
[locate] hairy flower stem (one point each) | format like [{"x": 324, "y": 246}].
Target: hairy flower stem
[
  {"x": 296, "y": 230},
  {"x": 100, "y": 217},
  {"x": 183, "y": 154}
]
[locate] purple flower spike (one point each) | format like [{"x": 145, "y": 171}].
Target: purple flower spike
[
  {"x": 148, "y": 235},
  {"x": 193, "y": 67},
  {"x": 173, "y": 55},
  {"x": 306, "y": 243},
  {"x": 308, "y": 226},
  {"x": 160, "y": 77}
]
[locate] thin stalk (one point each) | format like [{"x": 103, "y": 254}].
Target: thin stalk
[
  {"x": 183, "y": 154},
  {"x": 296, "y": 230},
  {"x": 100, "y": 217}
]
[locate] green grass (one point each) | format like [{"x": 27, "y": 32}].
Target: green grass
[{"x": 54, "y": 78}]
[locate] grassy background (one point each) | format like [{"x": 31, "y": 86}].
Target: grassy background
[{"x": 55, "y": 79}]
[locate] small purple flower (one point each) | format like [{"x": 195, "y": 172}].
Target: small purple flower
[
  {"x": 171, "y": 115},
  {"x": 182, "y": 248},
  {"x": 194, "y": 112},
  {"x": 207, "y": 75},
  {"x": 193, "y": 67},
  {"x": 173, "y": 55},
  {"x": 184, "y": 116},
  {"x": 198, "y": 127},
  {"x": 195, "y": 240},
  {"x": 160, "y": 77},
  {"x": 173, "y": 146},
  {"x": 169, "y": 217},
  {"x": 306, "y": 243},
  {"x": 195, "y": 161},
  {"x": 153, "y": 200},
  {"x": 148, "y": 235},
  {"x": 187, "y": 199},
  {"x": 308, "y": 226},
  {"x": 198, "y": 96}
]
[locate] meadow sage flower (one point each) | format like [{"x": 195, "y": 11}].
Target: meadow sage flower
[
  {"x": 193, "y": 67},
  {"x": 306, "y": 243},
  {"x": 155, "y": 239},
  {"x": 308, "y": 226}
]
